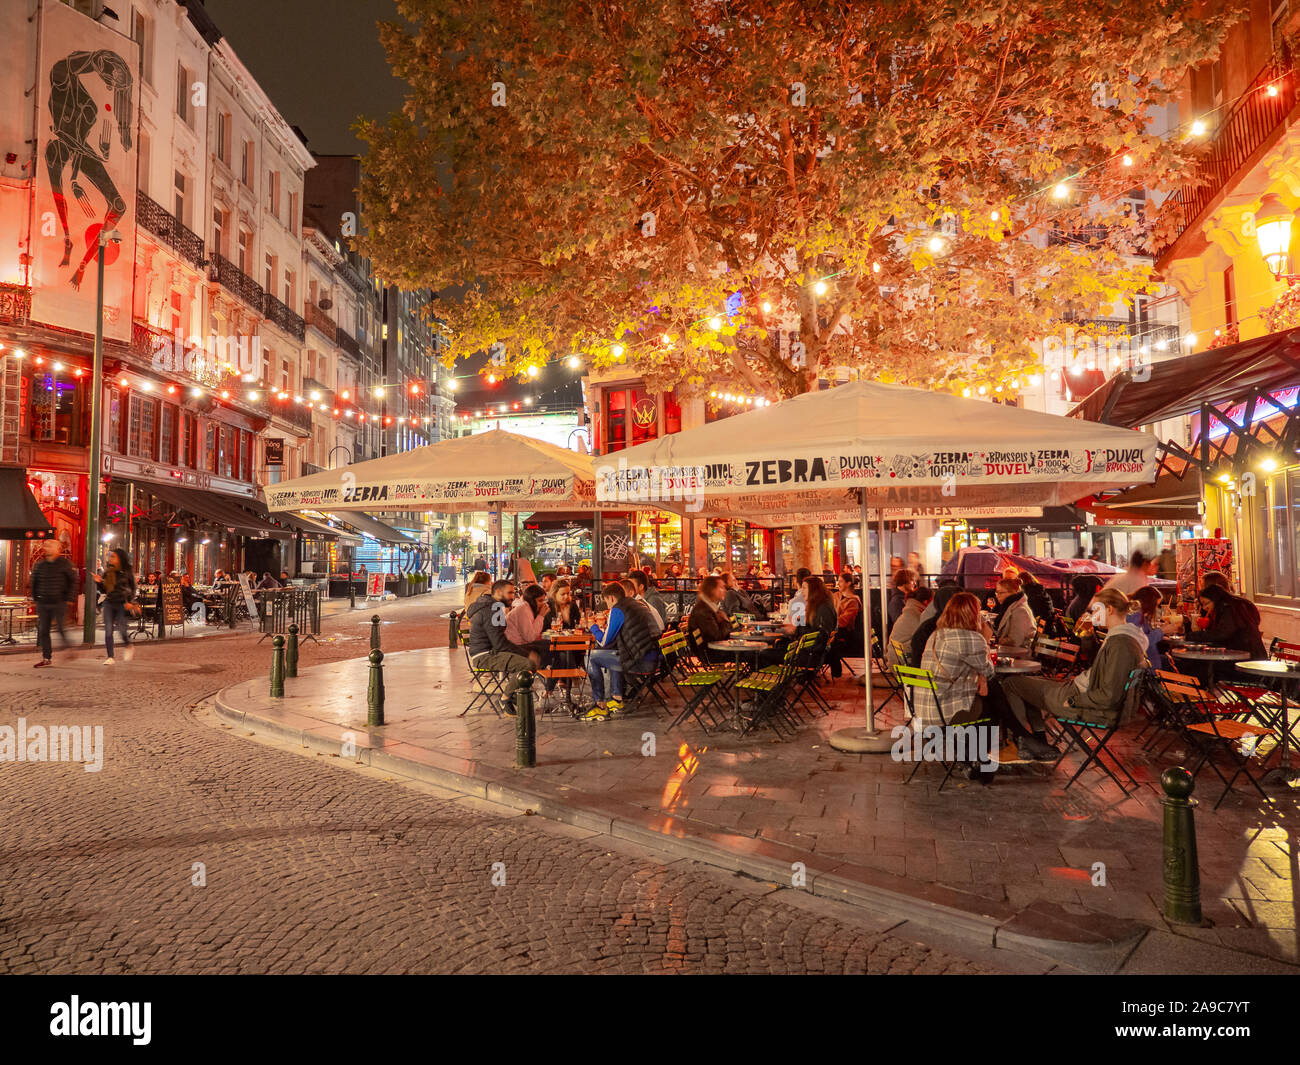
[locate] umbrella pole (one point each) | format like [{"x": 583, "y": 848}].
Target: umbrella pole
[{"x": 866, "y": 740}]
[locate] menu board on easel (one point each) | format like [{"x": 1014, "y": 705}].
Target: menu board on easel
[
  {"x": 173, "y": 602},
  {"x": 375, "y": 586},
  {"x": 249, "y": 601}
]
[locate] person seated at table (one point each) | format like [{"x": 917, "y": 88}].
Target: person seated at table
[
  {"x": 817, "y": 612},
  {"x": 488, "y": 646},
  {"x": 903, "y": 584},
  {"x": 739, "y": 601},
  {"x": 957, "y": 656},
  {"x": 1082, "y": 588},
  {"x": 527, "y": 622},
  {"x": 284, "y": 578},
  {"x": 1095, "y": 695},
  {"x": 647, "y": 592},
  {"x": 563, "y": 606},
  {"x": 1146, "y": 618},
  {"x": 627, "y": 643},
  {"x": 478, "y": 585},
  {"x": 1015, "y": 626},
  {"x": 846, "y": 640},
  {"x": 930, "y": 618},
  {"x": 1233, "y": 624},
  {"x": 191, "y": 600},
  {"x": 548, "y": 581},
  {"x": 707, "y": 616},
  {"x": 1038, "y": 599},
  {"x": 906, "y": 625},
  {"x": 268, "y": 581},
  {"x": 765, "y": 572},
  {"x": 800, "y": 575}
]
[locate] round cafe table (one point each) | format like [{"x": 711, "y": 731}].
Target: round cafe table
[
  {"x": 1009, "y": 666},
  {"x": 736, "y": 648},
  {"x": 1286, "y": 676},
  {"x": 1201, "y": 653}
]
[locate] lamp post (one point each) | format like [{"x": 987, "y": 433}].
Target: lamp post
[
  {"x": 96, "y": 415},
  {"x": 352, "y": 588},
  {"x": 1273, "y": 233}
]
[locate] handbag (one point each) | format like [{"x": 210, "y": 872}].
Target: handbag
[{"x": 132, "y": 609}]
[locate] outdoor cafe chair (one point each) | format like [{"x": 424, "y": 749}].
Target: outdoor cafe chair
[
  {"x": 567, "y": 650},
  {"x": 810, "y": 654},
  {"x": 1091, "y": 738},
  {"x": 768, "y": 696},
  {"x": 903, "y": 654},
  {"x": 643, "y": 685},
  {"x": 699, "y": 688},
  {"x": 1210, "y": 725},
  {"x": 489, "y": 685},
  {"x": 911, "y": 680},
  {"x": 1060, "y": 658}
]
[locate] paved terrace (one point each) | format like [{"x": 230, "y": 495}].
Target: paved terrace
[{"x": 1019, "y": 842}]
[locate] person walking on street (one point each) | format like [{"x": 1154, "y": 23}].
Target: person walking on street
[
  {"x": 53, "y": 584},
  {"x": 117, "y": 582}
]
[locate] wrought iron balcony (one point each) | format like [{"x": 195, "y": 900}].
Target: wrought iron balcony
[
  {"x": 169, "y": 229},
  {"x": 322, "y": 322},
  {"x": 280, "y": 314},
  {"x": 232, "y": 278},
  {"x": 349, "y": 345},
  {"x": 1252, "y": 120}
]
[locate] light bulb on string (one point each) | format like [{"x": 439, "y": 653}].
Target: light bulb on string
[{"x": 820, "y": 288}]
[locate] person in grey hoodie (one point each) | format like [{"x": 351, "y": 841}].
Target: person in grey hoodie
[{"x": 1095, "y": 696}]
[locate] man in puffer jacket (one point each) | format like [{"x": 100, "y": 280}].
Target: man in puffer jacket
[
  {"x": 628, "y": 643},
  {"x": 54, "y": 583},
  {"x": 1096, "y": 696}
]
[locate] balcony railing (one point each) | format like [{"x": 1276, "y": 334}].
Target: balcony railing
[
  {"x": 15, "y": 303},
  {"x": 1255, "y": 116},
  {"x": 319, "y": 320},
  {"x": 282, "y": 316},
  {"x": 349, "y": 345},
  {"x": 296, "y": 414},
  {"x": 169, "y": 229},
  {"x": 232, "y": 278}
]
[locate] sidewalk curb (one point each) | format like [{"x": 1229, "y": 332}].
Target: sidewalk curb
[{"x": 1096, "y": 943}]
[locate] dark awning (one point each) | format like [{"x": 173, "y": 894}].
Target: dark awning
[
  {"x": 222, "y": 510},
  {"x": 1170, "y": 500},
  {"x": 1054, "y": 519},
  {"x": 20, "y": 517},
  {"x": 1180, "y": 385},
  {"x": 313, "y": 527},
  {"x": 368, "y": 526}
]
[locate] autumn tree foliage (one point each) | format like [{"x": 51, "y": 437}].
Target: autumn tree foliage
[{"x": 754, "y": 193}]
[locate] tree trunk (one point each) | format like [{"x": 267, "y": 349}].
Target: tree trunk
[{"x": 806, "y": 541}]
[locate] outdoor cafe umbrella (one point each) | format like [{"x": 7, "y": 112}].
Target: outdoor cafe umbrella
[{"x": 886, "y": 446}]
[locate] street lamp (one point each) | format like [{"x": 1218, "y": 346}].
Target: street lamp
[
  {"x": 1273, "y": 232},
  {"x": 96, "y": 414}
]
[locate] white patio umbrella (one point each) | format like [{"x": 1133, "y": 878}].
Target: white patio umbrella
[{"x": 867, "y": 444}]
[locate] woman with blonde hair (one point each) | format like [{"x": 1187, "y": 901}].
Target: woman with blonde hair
[{"x": 478, "y": 585}]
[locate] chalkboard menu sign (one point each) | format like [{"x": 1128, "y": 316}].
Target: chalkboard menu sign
[
  {"x": 615, "y": 545},
  {"x": 249, "y": 601},
  {"x": 173, "y": 602}
]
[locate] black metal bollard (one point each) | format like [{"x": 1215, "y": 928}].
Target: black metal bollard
[
  {"x": 291, "y": 652},
  {"x": 277, "y": 668},
  {"x": 453, "y": 630},
  {"x": 375, "y": 691},
  {"x": 525, "y": 727},
  {"x": 1182, "y": 869},
  {"x": 374, "y": 632}
]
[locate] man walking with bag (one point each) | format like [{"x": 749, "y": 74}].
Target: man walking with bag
[{"x": 53, "y": 584}]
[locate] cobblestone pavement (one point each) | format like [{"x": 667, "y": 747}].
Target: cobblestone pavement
[{"x": 196, "y": 850}]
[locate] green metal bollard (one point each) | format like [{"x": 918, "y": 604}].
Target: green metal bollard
[
  {"x": 277, "y": 668},
  {"x": 525, "y": 727},
  {"x": 291, "y": 652},
  {"x": 1182, "y": 870},
  {"x": 375, "y": 692},
  {"x": 374, "y": 632}
]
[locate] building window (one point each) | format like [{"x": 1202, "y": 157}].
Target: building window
[
  {"x": 185, "y": 456},
  {"x": 1275, "y": 535},
  {"x": 1229, "y": 297},
  {"x": 141, "y": 441},
  {"x": 247, "y": 164},
  {"x": 289, "y": 288},
  {"x": 167, "y": 435},
  {"x": 269, "y": 275},
  {"x": 245, "y": 250},
  {"x": 142, "y": 34},
  {"x": 223, "y": 137},
  {"x": 267, "y": 356},
  {"x": 209, "y": 456},
  {"x": 273, "y": 192},
  {"x": 142, "y": 161},
  {"x": 220, "y": 222},
  {"x": 179, "y": 200},
  {"x": 183, "y": 109},
  {"x": 293, "y": 213}
]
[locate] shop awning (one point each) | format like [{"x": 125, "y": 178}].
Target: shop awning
[
  {"x": 20, "y": 517},
  {"x": 222, "y": 510},
  {"x": 367, "y": 526},
  {"x": 1180, "y": 385},
  {"x": 1053, "y": 519},
  {"x": 1170, "y": 500},
  {"x": 316, "y": 527}
]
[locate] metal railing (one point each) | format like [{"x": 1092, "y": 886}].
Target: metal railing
[
  {"x": 154, "y": 217},
  {"x": 320, "y": 321},
  {"x": 1250, "y": 122},
  {"x": 279, "y": 608},
  {"x": 231, "y": 277},
  {"x": 283, "y": 316}
]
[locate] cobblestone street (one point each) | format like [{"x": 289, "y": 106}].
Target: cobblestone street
[{"x": 198, "y": 850}]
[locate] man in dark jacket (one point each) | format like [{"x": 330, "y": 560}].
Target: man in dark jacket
[
  {"x": 488, "y": 646},
  {"x": 628, "y": 643},
  {"x": 54, "y": 583},
  {"x": 707, "y": 616}
]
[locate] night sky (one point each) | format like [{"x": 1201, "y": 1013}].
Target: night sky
[{"x": 319, "y": 61}]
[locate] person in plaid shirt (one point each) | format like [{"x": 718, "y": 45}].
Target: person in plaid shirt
[{"x": 958, "y": 656}]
